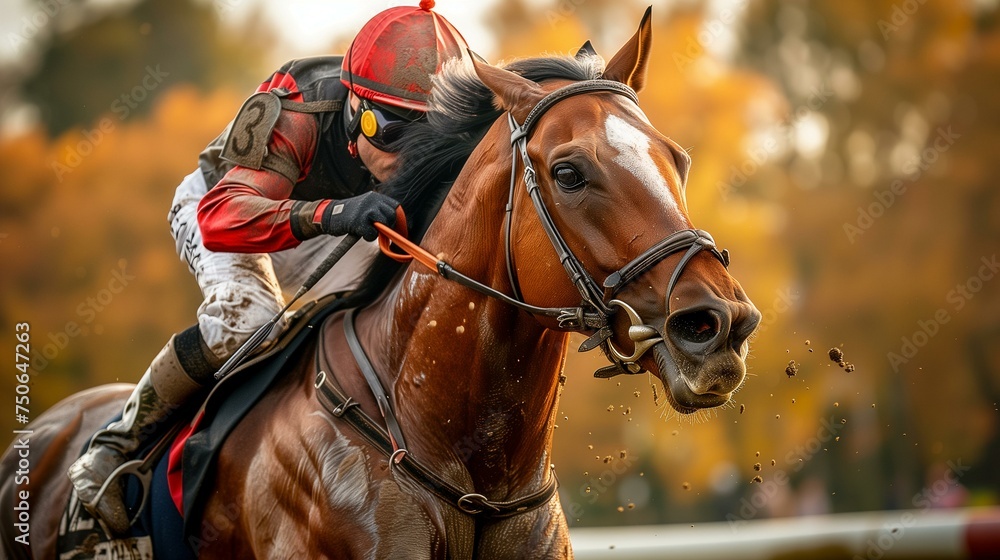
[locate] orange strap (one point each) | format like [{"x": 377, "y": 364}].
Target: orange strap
[{"x": 387, "y": 236}]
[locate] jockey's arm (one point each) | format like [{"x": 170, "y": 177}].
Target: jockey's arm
[{"x": 250, "y": 211}]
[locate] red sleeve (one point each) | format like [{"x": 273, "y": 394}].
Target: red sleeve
[{"x": 249, "y": 210}]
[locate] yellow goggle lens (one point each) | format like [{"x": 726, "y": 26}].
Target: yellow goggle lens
[{"x": 369, "y": 125}]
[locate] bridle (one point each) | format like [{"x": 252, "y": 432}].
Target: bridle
[
  {"x": 593, "y": 311},
  {"x": 598, "y": 302},
  {"x": 598, "y": 305}
]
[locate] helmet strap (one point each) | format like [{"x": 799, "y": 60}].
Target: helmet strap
[{"x": 353, "y": 127}]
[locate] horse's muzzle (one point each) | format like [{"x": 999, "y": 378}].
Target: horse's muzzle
[{"x": 702, "y": 357}]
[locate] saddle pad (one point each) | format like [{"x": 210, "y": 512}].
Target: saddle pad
[{"x": 228, "y": 403}]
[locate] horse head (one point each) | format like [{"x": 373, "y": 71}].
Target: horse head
[{"x": 612, "y": 187}]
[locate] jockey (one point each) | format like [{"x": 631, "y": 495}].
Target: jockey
[{"x": 295, "y": 171}]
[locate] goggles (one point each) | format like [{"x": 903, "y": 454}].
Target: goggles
[{"x": 379, "y": 125}]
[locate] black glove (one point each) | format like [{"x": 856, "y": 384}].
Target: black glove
[{"x": 356, "y": 215}]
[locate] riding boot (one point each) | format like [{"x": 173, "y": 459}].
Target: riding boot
[{"x": 162, "y": 390}]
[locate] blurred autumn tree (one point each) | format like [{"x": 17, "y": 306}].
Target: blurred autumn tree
[
  {"x": 127, "y": 95},
  {"x": 111, "y": 54},
  {"x": 893, "y": 210},
  {"x": 65, "y": 241}
]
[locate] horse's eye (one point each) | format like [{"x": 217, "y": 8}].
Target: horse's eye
[{"x": 567, "y": 177}]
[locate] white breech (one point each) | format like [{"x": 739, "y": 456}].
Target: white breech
[{"x": 242, "y": 291}]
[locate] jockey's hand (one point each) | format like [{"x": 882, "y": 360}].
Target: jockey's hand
[{"x": 357, "y": 215}]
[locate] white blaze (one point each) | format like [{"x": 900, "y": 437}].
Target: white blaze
[{"x": 634, "y": 156}]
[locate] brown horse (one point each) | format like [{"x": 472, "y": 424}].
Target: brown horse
[{"x": 474, "y": 379}]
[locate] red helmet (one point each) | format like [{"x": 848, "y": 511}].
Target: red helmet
[{"x": 392, "y": 58}]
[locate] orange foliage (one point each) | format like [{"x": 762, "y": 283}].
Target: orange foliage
[{"x": 78, "y": 209}]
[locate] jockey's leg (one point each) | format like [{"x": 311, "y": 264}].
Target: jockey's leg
[
  {"x": 162, "y": 389},
  {"x": 241, "y": 293}
]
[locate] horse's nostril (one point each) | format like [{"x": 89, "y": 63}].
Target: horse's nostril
[
  {"x": 744, "y": 326},
  {"x": 695, "y": 326}
]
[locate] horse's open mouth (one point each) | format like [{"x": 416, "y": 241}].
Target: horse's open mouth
[{"x": 682, "y": 392}]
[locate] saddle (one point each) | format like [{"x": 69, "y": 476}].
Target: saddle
[{"x": 173, "y": 474}]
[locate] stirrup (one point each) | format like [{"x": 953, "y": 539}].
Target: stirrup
[
  {"x": 137, "y": 468},
  {"x": 142, "y": 470}
]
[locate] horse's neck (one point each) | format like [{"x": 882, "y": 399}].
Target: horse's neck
[{"x": 475, "y": 381}]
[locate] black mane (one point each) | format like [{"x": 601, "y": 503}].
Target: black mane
[{"x": 433, "y": 150}]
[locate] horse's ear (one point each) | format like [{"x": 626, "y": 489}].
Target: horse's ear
[
  {"x": 586, "y": 50},
  {"x": 514, "y": 93},
  {"x": 628, "y": 66}
]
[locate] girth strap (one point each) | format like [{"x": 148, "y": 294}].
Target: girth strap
[
  {"x": 384, "y": 406},
  {"x": 333, "y": 399}
]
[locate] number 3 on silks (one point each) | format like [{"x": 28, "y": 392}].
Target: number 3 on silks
[{"x": 246, "y": 143}]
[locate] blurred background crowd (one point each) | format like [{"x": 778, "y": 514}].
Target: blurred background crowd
[{"x": 845, "y": 152}]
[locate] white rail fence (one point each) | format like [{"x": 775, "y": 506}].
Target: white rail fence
[{"x": 971, "y": 534}]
